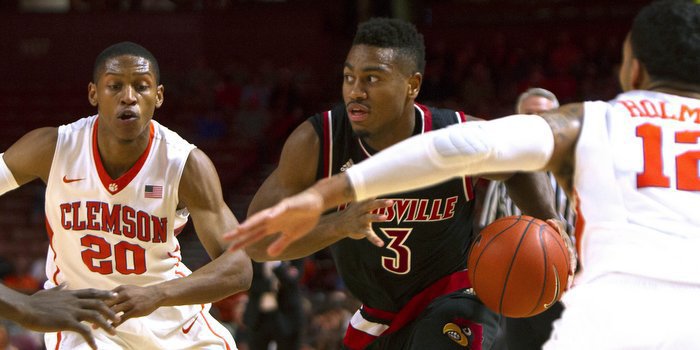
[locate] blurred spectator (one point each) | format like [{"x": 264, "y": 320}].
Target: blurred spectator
[
  {"x": 274, "y": 312},
  {"x": 5, "y": 339},
  {"x": 21, "y": 278}
]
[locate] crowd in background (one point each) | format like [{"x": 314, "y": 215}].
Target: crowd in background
[{"x": 239, "y": 114}]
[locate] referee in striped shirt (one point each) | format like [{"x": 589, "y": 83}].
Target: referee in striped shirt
[{"x": 528, "y": 333}]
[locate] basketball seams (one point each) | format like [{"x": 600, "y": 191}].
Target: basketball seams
[
  {"x": 545, "y": 280},
  {"x": 512, "y": 261},
  {"x": 478, "y": 238}
]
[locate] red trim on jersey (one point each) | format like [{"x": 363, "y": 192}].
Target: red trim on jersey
[
  {"x": 49, "y": 231},
  {"x": 462, "y": 116},
  {"x": 580, "y": 223},
  {"x": 427, "y": 118},
  {"x": 468, "y": 188},
  {"x": 178, "y": 230},
  {"x": 409, "y": 312},
  {"x": 59, "y": 337},
  {"x": 126, "y": 178},
  {"x": 228, "y": 347},
  {"x": 327, "y": 151}
]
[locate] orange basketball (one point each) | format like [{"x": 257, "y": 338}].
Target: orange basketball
[{"x": 518, "y": 266}]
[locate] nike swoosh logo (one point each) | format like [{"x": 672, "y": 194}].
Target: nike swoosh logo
[
  {"x": 557, "y": 287},
  {"x": 187, "y": 329},
  {"x": 67, "y": 180}
]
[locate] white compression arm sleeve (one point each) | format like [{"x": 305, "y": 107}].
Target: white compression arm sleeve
[
  {"x": 515, "y": 143},
  {"x": 7, "y": 180}
]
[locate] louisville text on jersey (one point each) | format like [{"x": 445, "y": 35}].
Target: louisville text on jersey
[{"x": 418, "y": 209}]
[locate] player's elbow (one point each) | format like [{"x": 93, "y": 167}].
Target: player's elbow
[{"x": 239, "y": 278}]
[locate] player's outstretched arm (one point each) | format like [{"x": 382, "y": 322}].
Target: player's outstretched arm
[
  {"x": 57, "y": 309},
  {"x": 301, "y": 229},
  {"x": 297, "y": 217}
]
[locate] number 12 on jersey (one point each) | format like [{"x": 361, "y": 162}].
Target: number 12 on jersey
[{"x": 687, "y": 176}]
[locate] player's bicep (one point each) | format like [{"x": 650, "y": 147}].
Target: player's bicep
[
  {"x": 295, "y": 172},
  {"x": 200, "y": 191},
  {"x": 31, "y": 156}
]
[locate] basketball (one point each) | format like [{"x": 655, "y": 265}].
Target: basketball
[{"x": 518, "y": 266}]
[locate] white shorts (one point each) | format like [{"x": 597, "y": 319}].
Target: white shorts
[
  {"x": 172, "y": 327},
  {"x": 619, "y": 311}
]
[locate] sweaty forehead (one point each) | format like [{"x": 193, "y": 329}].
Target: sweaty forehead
[
  {"x": 127, "y": 64},
  {"x": 363, "y": 56}
]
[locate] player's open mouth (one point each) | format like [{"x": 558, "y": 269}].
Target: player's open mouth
[
  {"x": 357, "y": 112},
  {"x": 127, "y": 115}
]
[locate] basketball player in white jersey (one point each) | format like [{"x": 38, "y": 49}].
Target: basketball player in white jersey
[
  {"x": 119, "y": 187},
  {"x": 631, "y": 163}
]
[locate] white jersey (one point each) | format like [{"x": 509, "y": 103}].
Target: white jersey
[
  {"x": 104, "y": 232},
  {"x": 638, "y": 187},
  {"x": 107, "y": 232}
]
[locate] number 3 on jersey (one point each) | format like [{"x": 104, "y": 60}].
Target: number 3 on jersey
[
  {"x": 400, "y": 263},
  {"x": 687, "y": 176}
]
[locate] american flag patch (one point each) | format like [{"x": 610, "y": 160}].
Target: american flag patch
[{"x": 153, "y": 191}]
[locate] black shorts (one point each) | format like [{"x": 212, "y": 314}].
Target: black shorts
[{"x": 453, "y": 321}]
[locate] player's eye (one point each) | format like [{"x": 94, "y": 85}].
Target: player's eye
[
  {"x": 373, "y": 78},
  {"x": 114, "y": 87},
  {"x": 348, "y": 78},
  {"x": 142, "y": 88}
]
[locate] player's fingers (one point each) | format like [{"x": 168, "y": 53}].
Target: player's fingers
[
  {"x": 98, "y": 321},
  {"x": 376, "y": 217},
  {"x": 557, "y": 225},
  {"x": 374, "y": 239},
  {"x": 85, "y": 332},
  {"x": 380, "y": 203},
  {"x": 100, "y": 316},
  {"x": 92, "y": 293},
  {"x": 245, "y": 240},
  {"x": 279, "y": 245}
]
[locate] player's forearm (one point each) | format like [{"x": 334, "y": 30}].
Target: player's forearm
[
  {"x": 533, "y": 194},
  {"x": 503, "y": 145},
  {"x": 10, "y": 304},
  {"x": 228, "y": 274}
]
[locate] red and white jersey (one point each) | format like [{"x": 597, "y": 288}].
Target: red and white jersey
[
  {"x": 103, "y": 232},
  {"x": 638, "y": 187}
]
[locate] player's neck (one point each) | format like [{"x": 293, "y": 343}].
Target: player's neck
[
  {"x": 119, "y": 156},
  {"x": 675, "y": 88}
]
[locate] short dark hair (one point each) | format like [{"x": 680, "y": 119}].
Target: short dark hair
[
  {"x": 124, "y": 48},
  {"x": 396, "y": 34},
  {"x": 665, "y": 38}
]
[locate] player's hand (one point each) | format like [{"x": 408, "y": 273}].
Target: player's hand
[
  {"x": 134, "y": 301},
  {"x": 357, "y": 218},
  {"x": 57, "y": 309},
  {"x": 560, "y": 226},
  {"x": 292, "y": 218}
]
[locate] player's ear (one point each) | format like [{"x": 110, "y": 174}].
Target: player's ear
[
  {"x": 414, "y": 82},
  {"x": 92, "y": 94},
  {"x": 638, "y": 74},
  {"x": 160, "y": 96}
]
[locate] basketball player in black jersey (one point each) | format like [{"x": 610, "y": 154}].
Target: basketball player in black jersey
[{"x": 412, "y": 279}]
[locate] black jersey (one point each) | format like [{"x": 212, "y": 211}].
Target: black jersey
[{"x": 428, "y": 232}]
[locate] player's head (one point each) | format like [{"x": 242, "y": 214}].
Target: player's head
[
  {"x": 382, "y": 74},
  {"x": 536, "y": 100},
  {"x": 663, "y": 46},
  {"x": 126, "y": 90}
]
